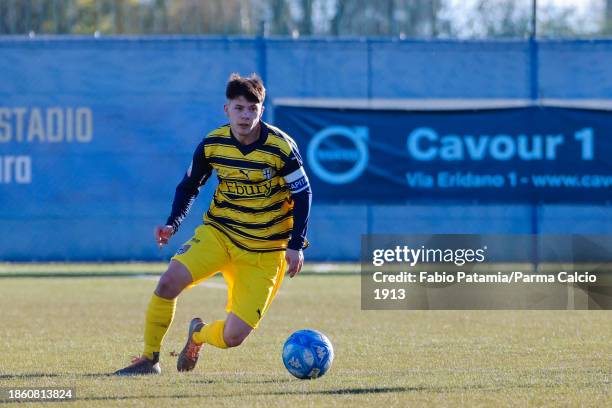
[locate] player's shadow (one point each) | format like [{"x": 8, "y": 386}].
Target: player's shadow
[
  {"x": 26, "y": 376},
  {"x": 96, "y": 375},
  {"x": 203, "y": 381},
  {"x": 268, "y": 381},
  {"x": 354, "y": 391},
  {"x": 373, "y": 390},
  {"x": 381, "y": 390}
]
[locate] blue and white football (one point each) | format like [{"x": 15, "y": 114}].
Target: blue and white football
[{"x": 308, "y": 354}]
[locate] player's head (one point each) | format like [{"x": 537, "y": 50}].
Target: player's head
[{"x": 244, "y": 107}]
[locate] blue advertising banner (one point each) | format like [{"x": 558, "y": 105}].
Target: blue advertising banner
[
  {"x": 95, "y": 136},
  {"x": 531, "y": 154}
]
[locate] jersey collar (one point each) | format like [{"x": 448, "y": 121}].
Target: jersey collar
[{"x": 246, "y": 149}]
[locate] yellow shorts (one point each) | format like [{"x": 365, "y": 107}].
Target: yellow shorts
[{"x": 252, "y": 278}]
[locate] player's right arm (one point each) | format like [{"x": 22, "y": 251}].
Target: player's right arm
[{"x": 186, "y": 192}]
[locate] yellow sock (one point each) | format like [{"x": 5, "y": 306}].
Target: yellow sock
[
  {"x": 159, "y": 317},
  {"x": 211, "y": 334}
]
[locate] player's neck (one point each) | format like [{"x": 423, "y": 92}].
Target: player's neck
[{"x": 250, "y": 138}]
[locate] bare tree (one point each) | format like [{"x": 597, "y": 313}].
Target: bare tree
[
  {"x": 607, "y": 27},
  {"x": 502, "y": 19},
  {"x": 337, "y": 19},
  {"x": 406, "y": 18},
  {"x": 280, "y": 17}
]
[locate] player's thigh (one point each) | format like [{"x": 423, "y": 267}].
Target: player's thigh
[
  {"x": 204, "y": 254},
  {"x": 173, "y": 281},
  {"x": 257, "y": 278}
]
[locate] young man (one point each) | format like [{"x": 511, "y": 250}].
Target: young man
[{"x": 254, "y": 229}]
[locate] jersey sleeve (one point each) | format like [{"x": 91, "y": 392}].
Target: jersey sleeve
[
  {"x": 301, "y": 213},
  {"x": 293, "y": 171},
  {"x": 291, "y": 162},
  {"x": 188, "y": 189},
  {"x": 297, "y": 181}
]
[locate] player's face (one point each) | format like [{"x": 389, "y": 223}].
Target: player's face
[{"x": 243, "y": 116}]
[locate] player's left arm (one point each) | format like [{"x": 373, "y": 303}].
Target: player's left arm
[
  {"x": 301, "y": 194},
  {"x": 302, "y": 199}
]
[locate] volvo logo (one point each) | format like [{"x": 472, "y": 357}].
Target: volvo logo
[{"x": 356, "y": 157}]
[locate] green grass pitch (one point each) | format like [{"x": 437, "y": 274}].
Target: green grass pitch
[{"x": 71, "y": 332}]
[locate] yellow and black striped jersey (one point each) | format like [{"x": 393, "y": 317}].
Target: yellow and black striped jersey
[{"x": 252, "y": 203}]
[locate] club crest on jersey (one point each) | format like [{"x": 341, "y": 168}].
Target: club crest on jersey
[
  {"x": 183, "y": 249},
  {"x": 268, "y": 173}
]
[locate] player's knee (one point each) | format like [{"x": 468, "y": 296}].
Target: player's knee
[
  {"x": 167, "y": 288},
  {"x": 233, "y": 339},
  {"x": 173, "y": 281}
]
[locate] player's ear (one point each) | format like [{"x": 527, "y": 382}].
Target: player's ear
[
  {"x": 263, "y": 108},
  {"x": 226, "y": 108}
]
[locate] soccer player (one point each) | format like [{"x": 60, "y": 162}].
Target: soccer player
[{"x": 253, "y": 232}]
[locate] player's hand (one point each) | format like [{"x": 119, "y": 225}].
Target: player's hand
[
  {"x": 295, "y": 260},
  {"x": 163, "y": 234}
]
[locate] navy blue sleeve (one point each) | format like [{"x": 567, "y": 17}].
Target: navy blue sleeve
[
  {"x": 293, "y": 161},
  {"x": 301, "y": 212},
  {"x": 188, "y": 189},
  {"x": 297, "y": 181}
]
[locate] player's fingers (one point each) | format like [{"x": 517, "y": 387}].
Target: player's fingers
[
  {"x": 298, "y": 268},
  {"x": 161, "y": 241},
  {"x": 292, "y": 268}
]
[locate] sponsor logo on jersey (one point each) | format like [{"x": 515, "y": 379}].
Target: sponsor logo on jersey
[{"x": 248, "y": 190}]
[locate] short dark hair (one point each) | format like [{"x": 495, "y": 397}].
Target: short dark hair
[{"x": 251, "y": 87}]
